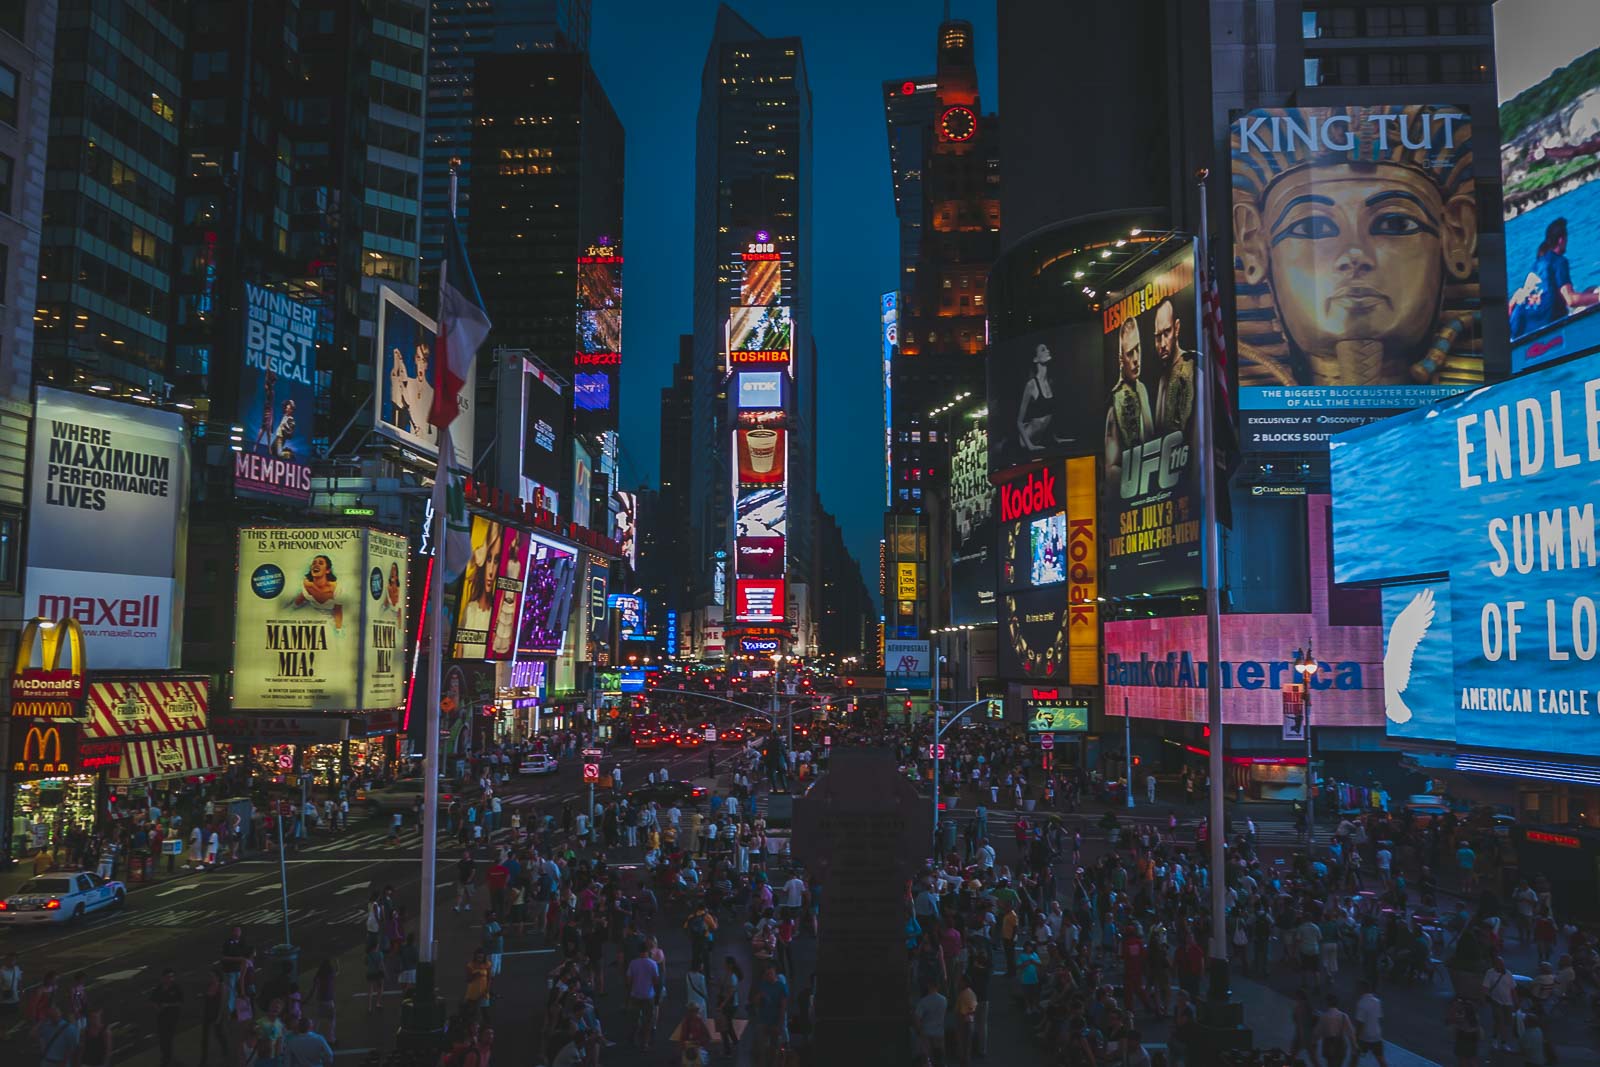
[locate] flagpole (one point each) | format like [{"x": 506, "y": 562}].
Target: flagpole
[
  {"x": 426, "y": 1017},
  {"x": 1204, "y": 415}
]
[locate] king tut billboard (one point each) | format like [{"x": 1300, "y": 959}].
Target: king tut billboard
[{"x": 1355, "y": 233}]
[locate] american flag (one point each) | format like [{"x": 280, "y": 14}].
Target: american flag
[{"x": 1217, "y": 339}]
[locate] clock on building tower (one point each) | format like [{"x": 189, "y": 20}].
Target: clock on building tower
[{"x": 957, "y": 124}]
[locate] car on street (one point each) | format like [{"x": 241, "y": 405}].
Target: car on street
[
  {"x": 731, "y": 735},
  {"x": 538, "y": 763},
  {"x": 60, "y": 897},
  {"x": 646, "y": 739},
  {"x": 688, "y": 739},
  {"x": 666, "y": 793},
  {"x": 403, "y": 795}
]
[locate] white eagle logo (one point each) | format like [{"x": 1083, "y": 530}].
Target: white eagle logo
[{"x": 1405, "y": 634}]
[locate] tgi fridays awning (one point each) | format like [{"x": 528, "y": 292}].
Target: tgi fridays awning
[
  {"x": 146, "y": 706},
  {"x": 167, "y": 757}
]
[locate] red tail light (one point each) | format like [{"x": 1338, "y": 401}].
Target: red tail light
[
  {"x": 3, "y": 905},
  {"x": 52, "y": 904}
]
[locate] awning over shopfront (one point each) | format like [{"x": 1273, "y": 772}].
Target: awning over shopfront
[{"x": 167, "y": 757}]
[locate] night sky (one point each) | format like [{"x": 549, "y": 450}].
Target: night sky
[{"x": 649, "y": 56}]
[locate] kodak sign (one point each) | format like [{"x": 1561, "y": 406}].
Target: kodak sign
[
  {"x": 1030, "y": 496},
  {"x": 52, "y": 689}
]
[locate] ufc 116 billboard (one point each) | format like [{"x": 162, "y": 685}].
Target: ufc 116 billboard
[{"x": 108, "y": 508}]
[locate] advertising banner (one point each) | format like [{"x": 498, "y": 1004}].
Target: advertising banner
[
  {"x": 1033, "y": 634},
  {"x": 582, "y": 484},
  {"x": 759, "y": 389},
  {"x": 1355, "y": 234},
  {"x": 1043, "y": 388},
  {"x": 1083, "y": 574},
  {"x": 1159, "y": 667},
  {"x": 759, "y": 557},
  {"x": 1479, "y": 516},
  {"x": 147, "y": 707},
  {"x": 544, "y": 434},
  {"x": 758, "y": 600},
  {"x": 55, "y": 687},
  {"x": 475, "y": 605},
  {"x": 505, "y": 616},
  {"x": 759, "y": 334},
  {"x": 277, "y": 395},
  {"x": 905, "y": 581},
  {"x": 600, "y": 331},
  {"x": 405, "y": 347},
  {"x": 626, "y": 531},
  {"x": 763, "y": 456},
  {"x": 630, "y": 613},
  {"x": 1050, "y": 709},
  {"x": 972, "y": 563},
  {"x": 108, "y": 509},
  {"x": 907, "y": 665},
  {"x": 1150, "y": 484},
  {"x": 1547, "y": 60},
  {"x": 320, "y": 615},
  {"x": 43, "y": 750},
  {"x": 762, "y": 513},
  {"x": 547, "y": 599},
  {"x": 591, "y": 391},
  {"x": 761, "y": 282}
]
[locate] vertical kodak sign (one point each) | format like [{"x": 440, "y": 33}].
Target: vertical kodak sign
[{"x": 1083, "y": 574}]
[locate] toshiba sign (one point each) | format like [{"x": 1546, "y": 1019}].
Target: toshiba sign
[{"x": 1027, "y": 496}]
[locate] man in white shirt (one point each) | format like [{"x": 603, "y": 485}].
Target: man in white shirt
[
  {"x": 986, "y": 855},
  {"x": 673, "y": 815},
  {"x": 1500, "y": 990},
  {"x": 10, "y": 983},
  {"x": 794, "y": 895},
  {"x": 1369, "y": 1026}
]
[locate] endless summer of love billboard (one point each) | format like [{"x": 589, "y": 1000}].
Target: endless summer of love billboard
[
  {"x": 320, "y": 620},
  {"x": 1478, "y": 517}
]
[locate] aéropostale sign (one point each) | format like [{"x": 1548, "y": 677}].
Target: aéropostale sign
[
  {"x": 320, "y": 618},
  {"x": 107, "y": 511},
  {"x": 1478, "y": 515}
]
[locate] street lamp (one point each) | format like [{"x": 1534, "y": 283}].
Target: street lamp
[{"x": 1305, "y": 665}]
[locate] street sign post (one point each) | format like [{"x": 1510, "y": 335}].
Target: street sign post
[
  {"x": 1047, "y": 741},
  {"x": 936, "y": 751}
]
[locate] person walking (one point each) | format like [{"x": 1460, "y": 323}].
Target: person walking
[
  {"x": 307, "y": 1048},
  {"x": 324, "y": 995},
  {"x": 729, "y": 999},
  {"x": 1462, "y": 1018},
  {"x": 213, "y": 1012},
  {"x": 1500, "y": 990},
  {"x": 167, "y": 997},
  {"x": 57, "y": 1037},
  {"x": 1369, "y": 1026},
  {"x": 1334, "y": 1034},
  {"x": 95, "y": 1046}
]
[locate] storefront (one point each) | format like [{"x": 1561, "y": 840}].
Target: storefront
[
  {"x": 270, "y": 749},
  {"x": 56, "y": 788},
  {"x": 158, "y": 726}
]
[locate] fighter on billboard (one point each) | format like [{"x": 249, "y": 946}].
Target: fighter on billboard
[
  {"x": 108, "y": 510},
  {"x": 1548, "y": 66},
  {"x": 277, "y": 395},
  {"x": 1356, "y": 266},
  {"x": 405, "y": 348},
  {"x": 1150, "y": 478},
  {"x": 763, "y": 456}
]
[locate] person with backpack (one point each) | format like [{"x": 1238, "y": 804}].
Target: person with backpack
[{"x": 702, "y": 929}]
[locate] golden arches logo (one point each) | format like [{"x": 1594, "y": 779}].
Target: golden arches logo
[
  {"x": 45, "y": 738},
  {"x": 49, "y": 680}
]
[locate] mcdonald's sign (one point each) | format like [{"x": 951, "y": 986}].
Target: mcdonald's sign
[
  {"x": 43, "y": 749},
  {"x": 50, "y": 690}
]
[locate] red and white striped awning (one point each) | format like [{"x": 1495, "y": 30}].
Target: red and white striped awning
[{"x": 168, "y": 757}]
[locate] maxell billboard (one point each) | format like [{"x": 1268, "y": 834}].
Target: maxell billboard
[{"x": 108, "y": 507}]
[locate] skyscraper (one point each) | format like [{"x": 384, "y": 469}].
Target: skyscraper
[
  {"x": 461, "y": 31},
  {"x": 105, "y": 258},
  {"x": 752, "y": 205},
  {"x": 547, "y": 152},
  {"x": 944, "y": 164}
]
